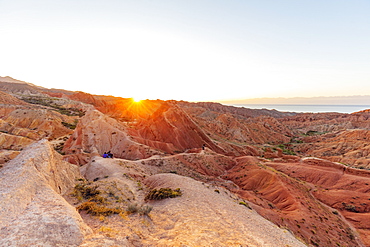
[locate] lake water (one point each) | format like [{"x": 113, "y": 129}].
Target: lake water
[{"x": 308, "y": 108}]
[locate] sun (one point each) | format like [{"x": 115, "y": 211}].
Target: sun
[{"x": 136, "y": 99}]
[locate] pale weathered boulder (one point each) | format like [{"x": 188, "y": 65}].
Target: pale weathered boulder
[
  {"x": 208, "y": 216},
  {"x": 32, "y": 211}
]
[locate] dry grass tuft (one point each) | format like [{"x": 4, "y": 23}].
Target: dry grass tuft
[{"x": 94, "y": 208}]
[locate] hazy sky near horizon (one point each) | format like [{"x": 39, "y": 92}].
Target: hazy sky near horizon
[{"x": 194, "y": 50}]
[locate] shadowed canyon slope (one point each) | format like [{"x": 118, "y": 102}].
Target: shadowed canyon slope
[{"x": 303, "y": 178}]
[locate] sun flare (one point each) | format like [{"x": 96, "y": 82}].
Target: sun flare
[{"x": 136, "y": 99}]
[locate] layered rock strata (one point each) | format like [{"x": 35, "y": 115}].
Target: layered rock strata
[{"x": 32, "y": 210}]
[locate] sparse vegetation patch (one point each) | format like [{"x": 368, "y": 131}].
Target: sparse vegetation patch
[
  {"x": 313, "y": 133},
  {"x": 52, "y": 102},
  {"x": 71, "y": 126},
  {"x": 245, "y": 204},
  {"x": 286, "y": 150},
  {"x": 135, "y": 208},
  {"x": 163, "y": 193},
  {"x": 85, "y": 190},
  {"x": 95, "y": 204},
  {"x": 94, "y": 208},
  {"x": 350, "y": 207}
]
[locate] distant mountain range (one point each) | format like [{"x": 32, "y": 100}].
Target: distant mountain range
[
  {"x": 321, "y": 100},
  {"x": 14, "y": 86},
  {"x": 9, "y": 79}
]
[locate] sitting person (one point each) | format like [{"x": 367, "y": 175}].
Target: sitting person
[
  {"x": 110, "y": 155},
  {"x": 105, "y": 155}
]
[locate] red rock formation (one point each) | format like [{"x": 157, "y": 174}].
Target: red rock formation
[
  {"x": 238, "y": 111},
  {"x": 22, "y": 123},
  {"x": 342, "y": 188},
  {"x": 241, "y": 128},
  {"x": 317, "y": 122},
  {"x": 306, "y": 196},
  {"x": 288, "y": 201},
  {"x": 98, "y": 131},
  {"x": 170, "y": 127},
  {"x": 159, "y": 125},
  {"x": 47, "y": 123},
  {"x": 8, "y": 99},
  {"x": 349, "y": 147}
]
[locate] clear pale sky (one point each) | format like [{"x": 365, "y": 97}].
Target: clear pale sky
[{"x": 194, "y": 50}]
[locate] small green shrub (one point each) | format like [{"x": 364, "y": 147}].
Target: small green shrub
[
  {"x": 134, "y": 208},
  {"x": 313, "y": 242},
  {"x": 311, "y": 133},
  {"x": 245, "y": 204},
  {"x": 350, "y": 207},
  {"x": 163, "y": 193},
  {"x": 71, "y": 126},
  {"x": 145, "y": 210},
  {"x": 285, "y": 150},
  {"x": 83, "y": 190}
]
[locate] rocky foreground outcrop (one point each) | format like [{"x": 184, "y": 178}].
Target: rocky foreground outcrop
[
  {"x": 32, "y": 210},
  {"x": 204, "y": 215},
  {"x": 208, "y": 216}
]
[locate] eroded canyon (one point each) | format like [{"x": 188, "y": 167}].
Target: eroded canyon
[{"x": 248, "y": 177}]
